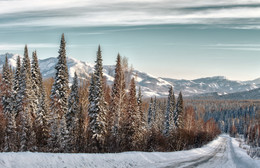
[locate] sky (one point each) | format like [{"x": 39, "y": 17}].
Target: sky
[{"x": 181, "y": 39}]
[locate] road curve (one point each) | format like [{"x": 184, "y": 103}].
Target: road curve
[{"x": 224, "y": 155}]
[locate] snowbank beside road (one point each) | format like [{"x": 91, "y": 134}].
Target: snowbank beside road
[{"x": 125, "y": 159}]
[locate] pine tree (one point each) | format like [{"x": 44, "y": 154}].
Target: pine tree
[
  {"x": 16, "y": 86},
  {"x": 135, "y": 116},
  {"x": 160, "y": 115},
  {"x": 26, "y": 106},
  {"x": 97, "y": 109},
  {"x": 81, "y": 138},
  {"x": 6, "y": 88},
  {"x": 59, "y": 102},
  {"x": 150, "y": 113},
  {"x": 42, "y": 125},
  {"x": 154, "y": 115},
  {"x": 140, "y": 109},
  {"x": 178, "y": 119},
  {"x": 63, "y": 135},
  {"x": 172, "y": 111},
  {"x": 53, "y": 143},
  {"x": 169, "y": 112},
  {"x": 143, "y": 121},
  {"x": 10, "y": 143},
  {"x": 73, "y": 113},
  {"x": 60, "y": 87},
  {"x": 36, "y": 76}
]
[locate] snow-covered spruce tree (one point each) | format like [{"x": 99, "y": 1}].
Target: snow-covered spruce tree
[
  {"x": 81, "y": 138},
  {"x": 140, "y": 110},
  {"x": 10, "y": 139},
  {"x": 26, "y": 106},
  {"x": 41, "y": 123},
  {"x": 6, "y": 90},
  {"x": 155, "y": 111},
  {"x": 143, "y": 119},
  {"x": 16, "y": 86},
  {"x": 150, "y": 113},
  {"x": 97, "y": 110},
  {"x": 2, "y": 125},
  {"x": 53, "y": 143},
  {"x": 36, "y": 76},
  {"x": 173, "y": 112},
  {"x": 133, "y": 111},
  {"x": 178, "y": 119},
  {"x": 169, "y": 112},
  {"x": 59, "y": 103},
  {"x": 92, "y": 116},
  {"x": 160, "y": 115},
  {"x": 15, "y": 99},
  {"x": 63, "y": 135},
  {"x": 73, "y": 114}
]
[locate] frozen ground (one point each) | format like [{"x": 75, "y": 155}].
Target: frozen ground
[{"x": 222, "y": 152}]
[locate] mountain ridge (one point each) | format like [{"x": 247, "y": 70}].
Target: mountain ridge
[{"x": 150, "y": 85}]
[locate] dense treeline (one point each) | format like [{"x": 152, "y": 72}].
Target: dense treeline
[
  {"x": 235, "y": 118},
  {"x": 91, "y": 116}
]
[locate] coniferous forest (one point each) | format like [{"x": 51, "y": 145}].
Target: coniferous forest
[{"x": 49, "y": 115}]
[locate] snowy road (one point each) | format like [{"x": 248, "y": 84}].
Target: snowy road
[
  {"x": 226, "y": 154},
  {"x": 222, "y": 152}
]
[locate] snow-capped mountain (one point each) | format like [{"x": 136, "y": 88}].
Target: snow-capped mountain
[
  {"x": 218, "y": 84},
  {"x": 150, "y": 85}
]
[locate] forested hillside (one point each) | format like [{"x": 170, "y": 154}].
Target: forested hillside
[
  {"x": 91, "y": 115},
  {"x": 233, "y": 117}
]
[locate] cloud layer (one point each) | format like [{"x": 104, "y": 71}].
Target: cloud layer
[{"x": 78, "y": 13}]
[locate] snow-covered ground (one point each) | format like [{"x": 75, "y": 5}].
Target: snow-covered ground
[{"x": 222, "y": 152}]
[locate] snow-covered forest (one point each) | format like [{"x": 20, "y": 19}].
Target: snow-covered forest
[
  {"x": 46, "y": 115},
  {"x": 235, "y": 118}
]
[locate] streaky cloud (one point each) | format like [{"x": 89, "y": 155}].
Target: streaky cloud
[{"x": 132, "y": 12}]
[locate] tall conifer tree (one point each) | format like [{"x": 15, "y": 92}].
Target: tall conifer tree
[
  {"x": 72, "y": 119},
  {"x": 81, "y": 138},
  {"x": 118, "y": 103},
  {"x": 97, "y": 109},
  {"x": 155, "y": 110},
  {"x": 59, "y": 102},
  {"x": 131, "y": 119},
  {"x": 10, "y": 143},
  {"x": 16, "y": 86},
  {"x": 36, "y": 76},
  {"x": 150, "y": 113},
  {"x": 140, "y": 109},
  {"x": 27, "y": 108},
  {"x": 169, "y": 113},
  {"x": 41, "y": 120},
  {"x": 42, "y": 125},
  {"x": 178, "y": 119},
  {"x": 134, "y": 116}
]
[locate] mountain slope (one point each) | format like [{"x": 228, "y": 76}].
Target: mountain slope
[
  {"x": 218, "y": 84},
  {"x": 251, "y": 94},
  {"x": 150, "y": 85}
]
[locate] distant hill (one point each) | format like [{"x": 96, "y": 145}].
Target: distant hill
[
  {"x": 245, "y": 95},
  {"x": 151, "y": 85}
]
